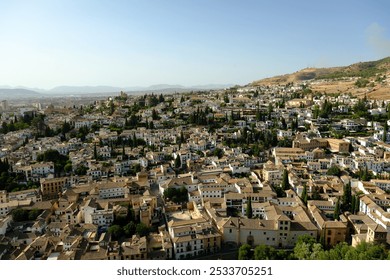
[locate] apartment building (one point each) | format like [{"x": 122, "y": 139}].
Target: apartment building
[
  {"x": 193, "y": 238},
  {"x": 109, "y": 189},
  {"x": 52, "y": 187}
]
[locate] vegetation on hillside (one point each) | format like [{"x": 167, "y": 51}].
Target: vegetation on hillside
[
  {"x": 307, "y": 248},
  {"x": 362, "y": 70}
]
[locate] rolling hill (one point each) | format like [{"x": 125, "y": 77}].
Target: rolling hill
[
  {"x": 370, "y": 78},
  {"x": 18, "y": 93},
  {"x": 362, "y": 69}
]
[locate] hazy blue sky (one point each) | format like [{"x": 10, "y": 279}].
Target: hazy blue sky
[{"x": 138, "y": 43}]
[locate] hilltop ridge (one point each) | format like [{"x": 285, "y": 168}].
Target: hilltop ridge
[
  {"x": 370, "y": 78},
  {"x": 360, "y": 69}
]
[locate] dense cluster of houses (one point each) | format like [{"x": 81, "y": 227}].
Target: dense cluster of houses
[{"x": 76, "y": 210}]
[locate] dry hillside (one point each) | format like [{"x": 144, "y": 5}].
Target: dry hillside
[{"x": 374, "y": 77}]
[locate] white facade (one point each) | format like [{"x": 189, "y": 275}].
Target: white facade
[
  {"x": 112, "y": 192},
  {"x": 82, "y": 123},
  {"x": 208, "y": 192},
  {"x": 102, "y": 217}
]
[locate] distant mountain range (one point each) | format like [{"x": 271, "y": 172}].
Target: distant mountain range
[
  {"x": 109, "y": 89},
  {"x": 18, "y": 93},
  {"x": 7, "y": 92}
]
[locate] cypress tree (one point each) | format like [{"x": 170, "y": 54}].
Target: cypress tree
[
  {"x": 177, "y": 162},
  {"x": 357, "y": 204},
  {"x": 346, "y": 199},
  {"x": 95, "y": 155},
  {"x": 366, "y": 175},
  {"x": 304, "y": 195},
  {"x": 336, "y": 213},
  {"x": 353, "y": 202},
  {"x": 285, "y": 183},
  {"x": 322, "y": 237},
  {"x": 134, "y": 140},
  {"x": 249, "y": 213}
]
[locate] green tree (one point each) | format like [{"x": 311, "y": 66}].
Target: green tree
[
  {"x": 346, "y": 199},
  {"x": 130, "y": 229},
  {"x": 357, "y": 204},
  {"x": 361, "y": 83},
  {"x": 366, "y": 176},
  {"x": 249, "y": 212},
  {"x": 265, "y": 252},
  {"x": 176, "y": 195},
  {"x": 336, "y": 213},
  {"x": 111, "y": 107},
  {"x": 142, "y": 229},
  {"x": 4, "y": 128},
  {"x": 285, "y": 183},
  {"x": 226, "y": 98},
  {"x": 95, "y": 153},
  {"x": 155, "y": 115},
  {"x": 244, "y": 252},
  {"x": 116, "y": 231},
  {"x": 334, "y": 170},
  {"x": 279, "y": 191},
  {"x": 270, "y": 110},
  {"x": 161, "y": 98},
  {"x": 68, "y": 167},
  {"x": 360, "y": 108},
  {"x": 385, "y": 129},
  {"x": 304, "y": 195},
  {"x": 19, "y": 215},
  {"x": 130, "y": 213},
  {"x": 303, "y": 247},
  {"x": 353, "y": 204},
  {"x": 81, "y": 170},
  {"x": 33, "y": 214},
  {"x": 218, "y": 152},
  {"x": 54, "y": 156},
  {"x": 323, "y": 237},
  {"x": 177, "y": 162},
  {"x": 38, "y": 123},
  {"x": 326, "y": 109},
  {"x": 65, "y": 128}
]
